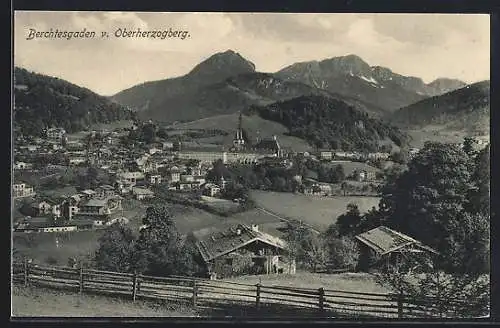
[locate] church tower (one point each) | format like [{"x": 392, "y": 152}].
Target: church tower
[{"x": 239, "y": 141}]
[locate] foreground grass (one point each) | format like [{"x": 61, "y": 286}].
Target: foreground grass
[
  {"x": 30, "y": 301},
  {"x": 349, "y": 282}
]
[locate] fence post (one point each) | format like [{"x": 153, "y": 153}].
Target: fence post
[
  {"x": 81, "y": 278},
  {"x": 400, "y": 305},
  {"x": 26, "y": 272},
  {"x": 321, "y": 292},
  {"x": 134, "y": 289},
  {"x": 257, "y": 297},
  {"x": 195, "y": 293}
]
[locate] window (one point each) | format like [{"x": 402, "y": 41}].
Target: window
[{"x": 228, "y": 261}]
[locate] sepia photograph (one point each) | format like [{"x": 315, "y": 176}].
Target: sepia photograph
[{"x": 250, "y": 165}]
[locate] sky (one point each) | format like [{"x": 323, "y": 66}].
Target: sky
[{"x": 428, "y": 46}]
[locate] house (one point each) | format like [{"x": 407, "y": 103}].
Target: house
[
  {"x": 167, "y": 145},
  {"x": 22, "y": 190},
  {"x": 242, "y": 249},
  {"x": 22, "y": 166},
  {"x": 76, "y": 160},
  {"x": 364, "y": 175},
  {"x": 55, "y": 133},
  {"x": 380, "y": 247},
  {"x": 211, "y": 189},
  {"x": 154, "y": 179},
  {"x": 187, "y": 185},
  {"x": 70, "y": 207},
  {"x": 318, "y": 189},
  {"x": 105, "y": 191},
  {"x": 131, "y": 177},
  {"x": 88, "y": 193},
  {"x": 100, "y": 206},
  {"x": 142, "y": 193},
  {"x": 326, "y": 155},
  {"x": 174, "y": 174}
]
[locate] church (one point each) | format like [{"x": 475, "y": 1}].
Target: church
[{"x": 264, "y": 145}]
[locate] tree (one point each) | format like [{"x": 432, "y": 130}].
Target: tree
[
  {"x": 480, "y": 193},
  {"x": 348, "y": 223},
  {"x": 116, "y": 249},
  {"x": 313, "y": 250},
  {"x": 160, "y": 249},
  {"x": 441, "y": 294},
  {"x": 428, "y": 202},
  {"x": 338, "y": 174}
]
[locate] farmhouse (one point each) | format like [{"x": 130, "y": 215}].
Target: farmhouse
[
  {"x": 142, "y": 193},
  {"x": 240, "y": 250},
  {"x": 381, "y": 247}
]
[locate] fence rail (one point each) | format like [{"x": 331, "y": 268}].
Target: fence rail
[{"x": 215, "y": 294}]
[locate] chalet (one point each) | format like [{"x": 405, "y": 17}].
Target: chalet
[
  {"x": 240, "y": 250},
  {"x": 381, "y": 247},
  {"x": 46, "y": 206},
  {"x": 22, "y": 190},
  {"x": 142, "y": 193}
]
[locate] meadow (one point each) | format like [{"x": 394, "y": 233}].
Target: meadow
[
  {"x": 317, "y": 211},
  {"x": 27, "y": 301}
]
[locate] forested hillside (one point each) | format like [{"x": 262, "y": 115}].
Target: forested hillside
[
  {"x": 331, "y": 123},
  {"x": 42, "y": 101}
]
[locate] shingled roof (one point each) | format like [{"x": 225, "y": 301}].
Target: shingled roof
[
  {"x": 214, "y": 243},
  {"x": 384, "y": 240}
]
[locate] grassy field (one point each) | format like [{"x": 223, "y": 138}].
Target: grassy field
[
  {"x": 319, "y": 212},
  {"x": 46, "y": 302},
  {"x": 42, "y": 246},
  {"x": 251, "y": 124},
  {"x": 351, "y": 282},
  {"x": 437, "y": 133}
]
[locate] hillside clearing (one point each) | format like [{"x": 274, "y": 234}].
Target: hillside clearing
[
  {"x": 254, "y": 125},
  {"x": 319, "y": 212},
  {"x": 46, "y": 302}
]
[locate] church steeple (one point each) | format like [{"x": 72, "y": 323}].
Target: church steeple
[{"x": 239, "y": 141}]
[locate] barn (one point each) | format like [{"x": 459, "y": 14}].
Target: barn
[
  {"x": 381, "y": 247},
  {"x": 241, "y": 250}
]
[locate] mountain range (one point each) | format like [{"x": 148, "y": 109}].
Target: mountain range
[
  {"x": 227, "y": 82},
  {"x": 343, "y": 91}
]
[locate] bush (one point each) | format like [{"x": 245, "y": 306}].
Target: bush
[{"x": 344, "y": 253}]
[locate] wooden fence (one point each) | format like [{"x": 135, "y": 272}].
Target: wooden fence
[{"x": 219, "y": 294}]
